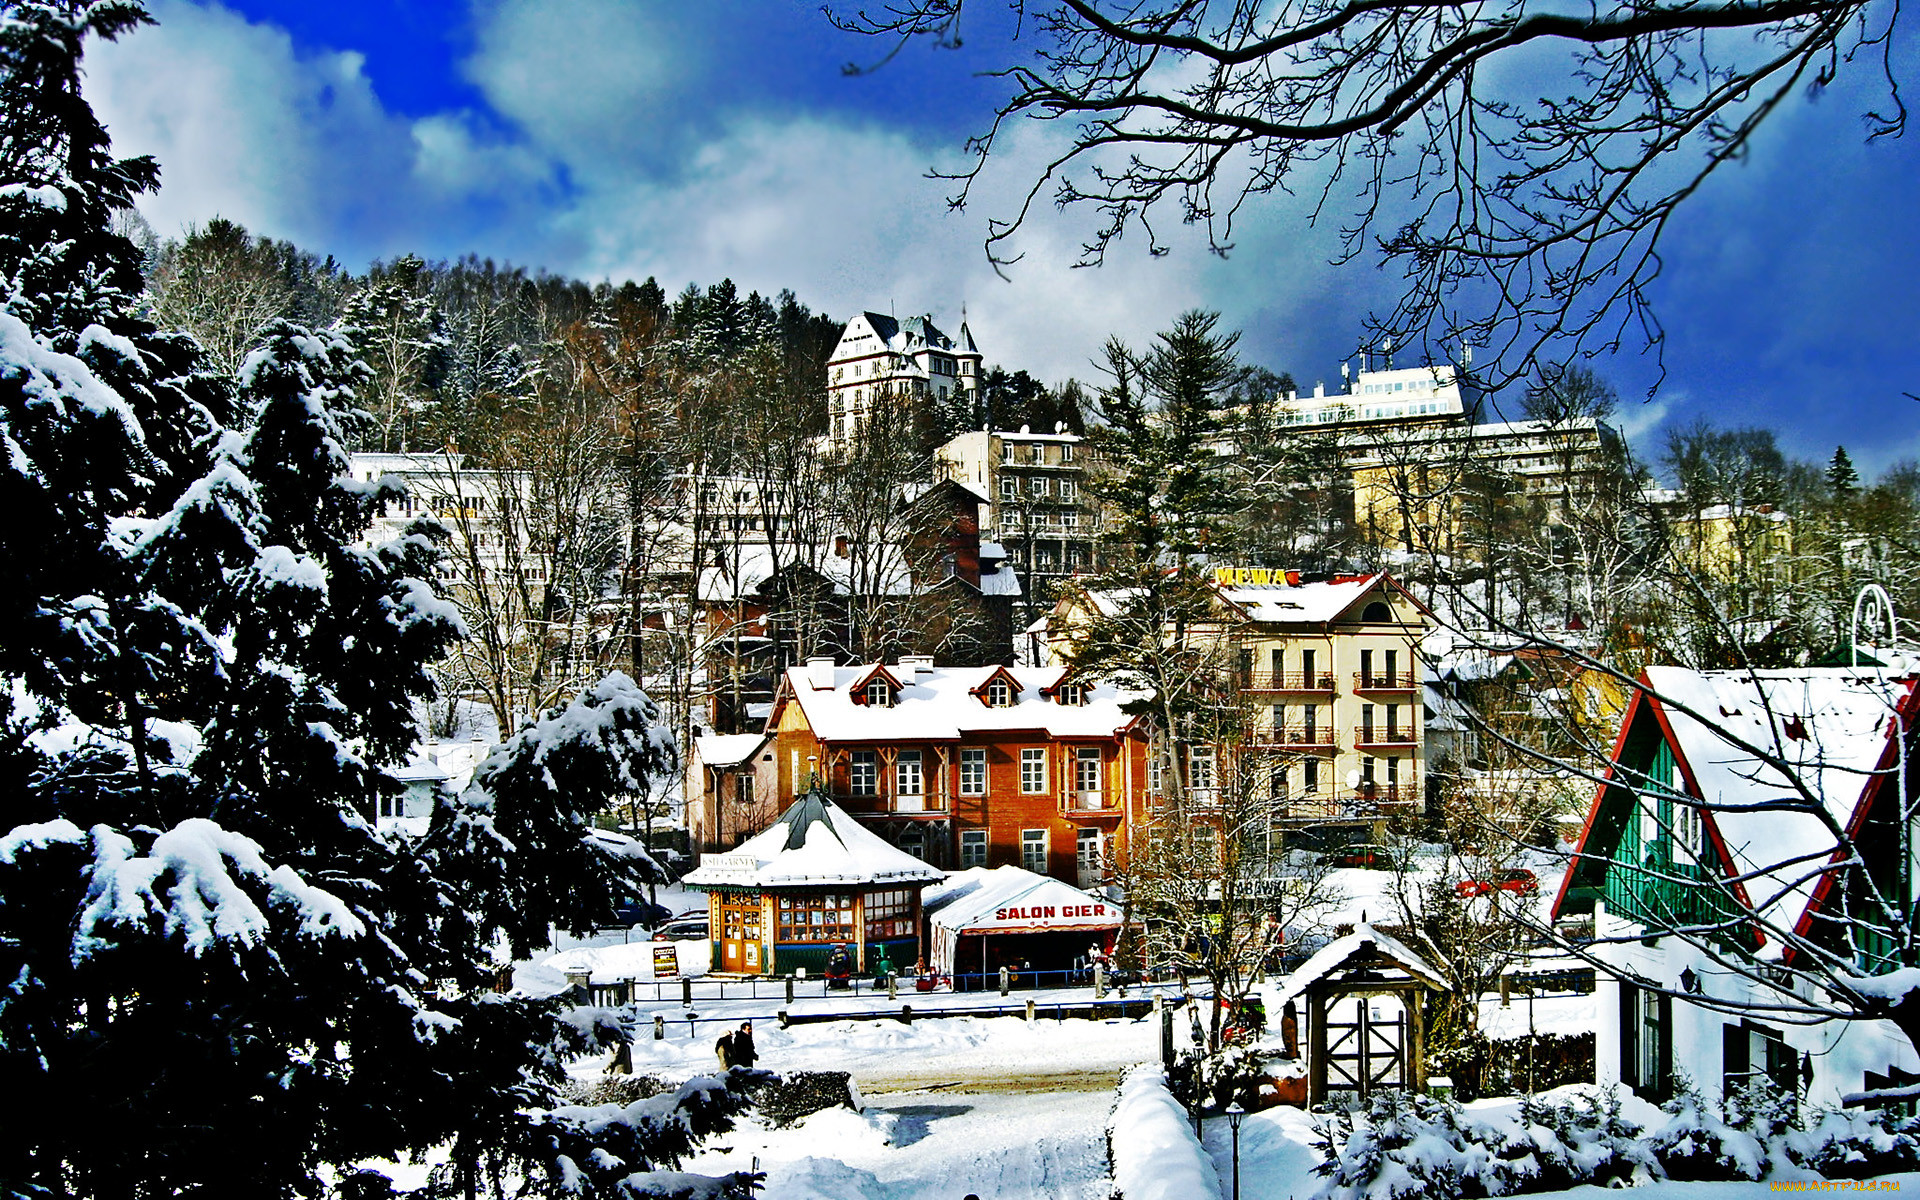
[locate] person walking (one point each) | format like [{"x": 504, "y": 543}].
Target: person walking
[
  {"x": 724, "y": 1050},
  {"x": 744, "y": 1054}
]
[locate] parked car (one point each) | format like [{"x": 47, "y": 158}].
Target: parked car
[
  {"x": 1360, "y": 854},
  {"x": 688, "y": 927},
  {"x": 1518, "y": 880},
  {"x": 635, "y": 910}
]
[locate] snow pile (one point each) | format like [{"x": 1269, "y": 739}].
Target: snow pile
[{"x": 1155, "y": 1155}]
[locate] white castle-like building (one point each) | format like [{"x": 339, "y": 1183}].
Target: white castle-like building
[{"x": 878, "y": 355}]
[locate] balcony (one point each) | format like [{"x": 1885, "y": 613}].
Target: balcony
[
  {"x": 1386, "y": 802},
  {"x": 1381, "y": 681},
  {"x": 911, "y": 805},
  {"x": 1269, "y": 681},
  {"x": 1372, "y": 735},
  {"x": 1092, "y": 803},
  {"x": 1296, "y": 737}
]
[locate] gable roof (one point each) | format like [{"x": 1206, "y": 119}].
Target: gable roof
[
  {"x": 1311, "y": 603},
  {"x": 813, "y": 844},
  {"x": 937, "y": 704},
  {"x": 1740, "y": 739}
]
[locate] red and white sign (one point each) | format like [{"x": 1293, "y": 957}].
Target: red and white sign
[{"x": 1072, "y": 915}]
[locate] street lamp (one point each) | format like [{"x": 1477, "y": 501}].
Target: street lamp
[{"x": 1235, "y": 1115}]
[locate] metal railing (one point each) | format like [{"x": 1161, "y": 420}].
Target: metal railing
[
  {"x": 1382, "y": 681},
  {"x": 1294, "y": 736},
  {"x": 1375, "y": 735},
  {"x": 1271, "y": 681}
]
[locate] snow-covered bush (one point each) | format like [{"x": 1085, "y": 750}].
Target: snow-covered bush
[
  {"x": 1409, "y": 1145},
  {"x": 1694, "y": 1142},
  {"x": 1857, "y": 1145},
  {"x": 1584, "y": 1140}
]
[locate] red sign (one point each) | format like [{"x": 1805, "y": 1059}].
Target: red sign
[{"x": 1043, "y": 912}]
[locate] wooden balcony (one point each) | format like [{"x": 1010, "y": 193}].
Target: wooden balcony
[
  {"x": 1380, "y": 681},
  {"x": 1268, "y": 681},
  {"x": 1377, "y": 735},
  {"x": 870, "y": 805},
  {"x": 1089, "y": 804}
]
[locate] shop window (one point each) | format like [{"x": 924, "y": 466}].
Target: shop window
[
  {"x": 890, "y": 913},
  {"x": 824, "y": 918}
]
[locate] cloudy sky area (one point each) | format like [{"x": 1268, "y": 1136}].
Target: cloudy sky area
[{"x": 691, "y": 142}]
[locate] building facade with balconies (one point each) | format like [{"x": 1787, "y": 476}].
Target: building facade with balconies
[
  {"x": 911, "y": 359},
  {"x": 1331, "y": 674},
  {"x": 968, "y": 766}
]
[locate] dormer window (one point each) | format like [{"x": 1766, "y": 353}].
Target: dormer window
[
  {"x": 999, "y": 693},
  {"x": 879, "y": 694},
  {"x": 1073, "y": 695}
]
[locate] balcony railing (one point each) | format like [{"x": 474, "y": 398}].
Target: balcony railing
[
  {"x": 871, "y": 805},
  {"x": 1375, "y": 735},
  {"x": 1270, "y": 681},
  {"x": 1089, "y": 802},
  {"x": 1387, "y": 801},
  {"x": 1382, "y": 681},
  {"x": 1321, "y": 736}
]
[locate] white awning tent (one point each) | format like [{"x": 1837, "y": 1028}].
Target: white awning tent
[{"x": 1008, "y": 900}]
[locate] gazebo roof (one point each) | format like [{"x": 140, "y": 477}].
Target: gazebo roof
[
  {"x": 815, "y": 843},
  {"x": 1364, "y": 947}
]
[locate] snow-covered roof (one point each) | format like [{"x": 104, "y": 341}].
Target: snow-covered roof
[
  {"x": 1364, "y": 940},
  {"x": 939, "y": 704},
  {"x": 1001, "y": 581},
  {"x": 1444, "y": 713},
  {"x": 1014, "y": 900},
  {"x": 727, "y": 749},
  {"x": 813, "y": 844},
  {"x": 884, "y": 573},
  {"x": 1314, "y": 603},
  {"x": 1828, "y": 726}
]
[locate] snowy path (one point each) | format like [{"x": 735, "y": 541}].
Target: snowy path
[{"x": 934, "y": 1146}]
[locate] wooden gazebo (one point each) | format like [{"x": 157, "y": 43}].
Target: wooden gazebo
[{"x": 1366, "y": 1053}]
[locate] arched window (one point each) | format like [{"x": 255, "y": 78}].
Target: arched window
[
  {"x": 999, "y": 693},
  {"x": 879, "y": 695},
  {"x": 1377, "y": 611}
]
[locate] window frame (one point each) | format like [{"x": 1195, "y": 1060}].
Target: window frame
[
  {"x": 863, "y": 773},
  {"x": 909, "y": 773},
  {"x": 973, "y": 848},
  {"x": 1029, "y": 840},
  {"x": 972, "y": 759},
  {"x": 1033, "y": 783}
]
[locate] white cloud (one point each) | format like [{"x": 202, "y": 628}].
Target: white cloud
[{"x": 585, "y": 79}]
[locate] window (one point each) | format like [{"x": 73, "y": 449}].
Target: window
[
  {"x": 1393, "y": 668},
  {"x": 863, "y": 777},
  {"x": 889, "y": 913},
  {"x": 1087, "y": 857},
  {"x": 1366, "y": 722},
  {"x": 999, "y": 693},
  {"x": 1366, "y": 668},
  {"x": 1279, "y": 721},
  {"x": 392, "y": 806},
  {"x": 1073, "y": 695},
  {"x": 1066, "y": 452},
  {"x": 973, "y": 848},
  {"x": 1277, "y": 784},
  {"x": 1033, "y": 850},
  {"x": 1278, "y": 665},
  {"x": 879, "y": 695},
  {"x": 1376, "y": 612},
  {"x": 1033, "y": 771},
  {"x": 1310, "y": 776},
  {"x": 1068, "y": 491},
  {"x": 827, "y": 918},
  {"x": 1086, "y": 769},
  {"x": 907, "y": 777},
  {"x": 1393, "y": 722},
  {"x": 1306, "y": 666},
  {"x": 1037, "y": 485},
  {"x": 1006, "y": 451},
  {"x": 973, "y": 772},
  {"x": 1393, "y": 771},
  {"x": 1200, "y": 773},
  {"x": 743, "y": 787},
  {"x": 1070, "y": 519},
  {"x": 1009, "y": 488}
]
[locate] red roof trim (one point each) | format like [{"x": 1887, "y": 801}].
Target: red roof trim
[
  {"x": 857, "y": 691},
  {"x": 999, "y": 672},
  {"x": 1600, "y": 792}
]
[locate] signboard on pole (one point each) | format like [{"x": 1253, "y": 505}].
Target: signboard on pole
[{"x": 666, "y": 960}]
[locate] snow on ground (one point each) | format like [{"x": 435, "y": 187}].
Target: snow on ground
[
  {"x": 1564, "y": 1015},
  {"x": 928, "y": 1146}
]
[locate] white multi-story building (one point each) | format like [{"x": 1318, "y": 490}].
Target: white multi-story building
[
  {"x": 879, "y": 355},
  {"x": 1403, "y": 394}
]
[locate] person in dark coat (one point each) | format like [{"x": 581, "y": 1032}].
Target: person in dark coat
[{"x": 744, "y": 1055}]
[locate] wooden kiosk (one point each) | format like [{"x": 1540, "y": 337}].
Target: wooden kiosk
[{"x": 815, "y": 879}]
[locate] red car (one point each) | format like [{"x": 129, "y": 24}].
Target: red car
[{"x": 1519, "y": 881}]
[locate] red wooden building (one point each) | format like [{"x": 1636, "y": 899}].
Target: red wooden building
[{"x": 968, "y": 766}]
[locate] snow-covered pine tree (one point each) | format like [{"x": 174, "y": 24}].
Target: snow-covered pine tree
[{"x": 220, "y": 975}]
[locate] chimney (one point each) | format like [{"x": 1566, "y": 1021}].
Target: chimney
[
  {"x": 917, "y": 664},
  {"x": 820, "y": 673}
]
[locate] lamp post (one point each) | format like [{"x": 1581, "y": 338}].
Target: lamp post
[{"x": 1235, "y": 1115}]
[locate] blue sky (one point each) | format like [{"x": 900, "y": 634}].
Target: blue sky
[{"x": 694, "y": 141}]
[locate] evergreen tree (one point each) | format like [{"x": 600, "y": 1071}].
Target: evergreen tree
[
  {"x": 221, "y": 975},
  {"x": 1842, "y": 480}
]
